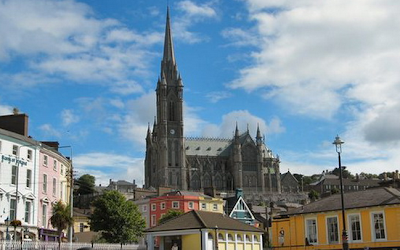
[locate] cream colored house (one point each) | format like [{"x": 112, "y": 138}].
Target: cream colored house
[{"x": 201, "y": 230}]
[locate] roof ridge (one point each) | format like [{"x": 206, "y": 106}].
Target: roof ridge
[{"x": 199, "y": 217}]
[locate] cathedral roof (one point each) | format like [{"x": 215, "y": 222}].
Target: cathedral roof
[{"x": 208, "y": 146}]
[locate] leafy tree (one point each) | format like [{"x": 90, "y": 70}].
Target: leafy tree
[
  {"x": 368, "y": 175},
  {"x": 118, "y": 220},
  {"x": 169, "y": 215},
  {"x": 335, "y": 191},
  {"x": 61, "y": 218},
  {"x": 313, "y": 195},
  {"x": 86, "y": 184},
  {"x": 345, "y": 173}
]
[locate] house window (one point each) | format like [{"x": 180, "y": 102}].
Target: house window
[
  {"x": 14, "y": 170},
  {"x": 81, "y": 227},
  {"x": 153, "y": 207},
  {"x": 45, "y": 160},
  {"x": 230, "y": 237},
  {"x": 44, "y": 215},
  {"x": 54, "y": 186},
  {"x": 255, "y": 238},
  {"x": 153, "y": 220},
  {"x": 28, "y": 178},
  {"x": 163, "y": 205},
  {"x": 221, "y": 237},
  {"x": 175, "y": 204},
  {"x": 191, "y": 205},
  {"x": 311, "y": 230},
  {"x": 62, "y": 169},
  {"x": 45, "y": 183},
  {"x": 333, "y": 230},
  {"x": 144, "y": 208},
  {"x": 29, "y": 154},
  {"x": 55, "y": 165},
  {"x": 215, "y": 207},
  {"x": 13, "y": 204},
  {"x": 27, "y": 212},
  {"x": 203, "y": 206},
  {"x": 378, "y": 226},
  {"x": 248, "y": 238},
  {"x": 355, "y": 227},
  {"x": 239, "y": 237},
  {"x": 15, "y": 150}
]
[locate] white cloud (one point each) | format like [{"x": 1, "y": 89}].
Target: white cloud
[
  {"x": 216, "y": 96},
  {"x": 100, "y": 165},
  {"x": 49, "y": 131},
  {"x": 244, "y": 120},
  {"x": 68, "y": 117},
  {"x": 64, "y": 39},
  {"x": 192, "y": 13}
]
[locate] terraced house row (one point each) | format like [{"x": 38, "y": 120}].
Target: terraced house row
[{"x": 33, "y": 175}]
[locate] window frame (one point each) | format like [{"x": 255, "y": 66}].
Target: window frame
[
  {"x": 163, "y": 205},
  {"x": 15, "y": 150},
  {"x": 45, "y": 160},
  {"x": 13, "y": 205},
  {"x": 54, "y": 186},
  {"x": 191, "y": 205},
  {"x": 55, "y": 165},
  {"x": 28, "y": 178},
  {"x": 175, "y": 204},
  {"x": 29, "y": 154},
  {"x": 44, "y": 215},
  {"x": 373, "y": 230},
  {"x": 44, "y": 183},
  {"x": 349, "y": 219},
  {"x": 153, "y": 206},
  {"x": 308, "y": 231},
  {"x": 14, "y": 175},
  {"x": 215, "y": 207},
  {"x": 28, "y": 206},
  {"x": 337, "y": 234},
  {"x": 203, "y": 206}
]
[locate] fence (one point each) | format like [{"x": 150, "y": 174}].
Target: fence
[{"x": 45, "y": 245}]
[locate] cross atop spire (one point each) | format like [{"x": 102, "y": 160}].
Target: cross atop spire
[{"x": 169, "y": 54}]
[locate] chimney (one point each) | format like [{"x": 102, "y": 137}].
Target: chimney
[
  {"x": 17, "y": 123},
  {"x": 210, "y": 191},
  {"x": 53, "y": 144}
]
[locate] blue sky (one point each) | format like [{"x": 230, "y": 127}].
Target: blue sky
[{"x": 85, "y": 72}]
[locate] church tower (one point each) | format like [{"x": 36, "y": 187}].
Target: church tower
[{"x": 165, "y": 157}]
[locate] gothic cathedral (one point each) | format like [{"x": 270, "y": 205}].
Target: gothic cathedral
[{"x": 197, "y": 163}]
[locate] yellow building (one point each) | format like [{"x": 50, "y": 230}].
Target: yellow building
[
  {"x": 372, "y": 220},
  {"x": 197, "y": 230},
  {"x": 212, "y": 204}
]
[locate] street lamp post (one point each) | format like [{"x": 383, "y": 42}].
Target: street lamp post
[
  {"x": 7, "y": 222},
  {"x": 338, "y": 143},
  {"x": 71, "y": 196}
]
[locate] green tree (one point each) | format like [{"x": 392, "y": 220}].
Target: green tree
[
  {"x": 61, "y": 218},
  {"x": 313, "y": 195},
  {"x": 86, "y": 184},
  {"x": 118, "y": 220},
  {"x": 345, "y": 173},
  {"x": 169, "y": 215}
]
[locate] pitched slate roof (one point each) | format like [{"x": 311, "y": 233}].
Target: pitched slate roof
[
  {"x": 200, "y": 220},
  {"x": 358, "y": 199}
]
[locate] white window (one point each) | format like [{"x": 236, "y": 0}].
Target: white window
[
  {"x": 15, "y": 150},
  {"x": 14, "y": 173},
  {"x": 28, "y": 212},
  {"x": 215, "y": 207},
  {"x": 54, "y": 186},
  {"x": 144, "y": 208},
  {"x": 311, "y": 231},
  {"x": 45, "y": 160},
  {"x": 333, "y": 230},
  {"x": 191, "y": 205},
  {"x": 153, "y": 220},
  {"x": 378, "y": 226},
  {"x": 203, "y": 206},
  {"x": 62, "y": 169},
  {"x": 28, "y": 178},
  {"x": 13, "y": 205},
  {"x": 45, "y": 183},
  {"x": 153, "y": 207},
  {"x": 355, "y": 227},
  {"x": 162, "y": 205},
  {"x": 175, "y": 204},
  {"x": 29, "y": 154},
  {"x": 44, "y": 215},
  {"x": 55, "y": 165}
]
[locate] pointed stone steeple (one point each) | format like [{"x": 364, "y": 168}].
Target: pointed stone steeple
[
  {"x": 169, "y": 55},
  {"x": 258, "y": 136}
]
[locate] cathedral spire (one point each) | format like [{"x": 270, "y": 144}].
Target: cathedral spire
[{"x": 169, "y": 54}]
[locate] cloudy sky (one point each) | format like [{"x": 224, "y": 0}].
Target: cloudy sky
[{"x": 85, "y": 72}]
